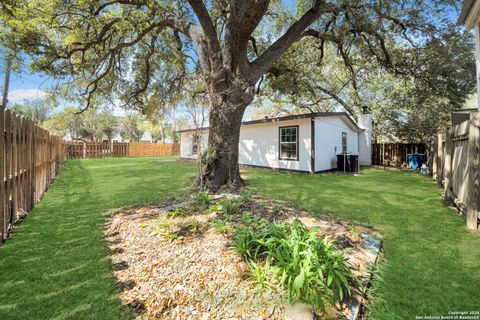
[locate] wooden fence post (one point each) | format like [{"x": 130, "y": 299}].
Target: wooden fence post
[
  {"x": 473, "y": 187},
  {"x": 448, "y": 164},
  {"x": 440, "y": 160},
  {"x": 3, "y": 202},
  {"x": 434, "y": 157}
]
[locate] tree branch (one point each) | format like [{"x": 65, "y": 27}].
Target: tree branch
[
  {"x": 337, "y": 98},
  {"x": 260, "y": 65},
  {"x": 208, "y": 28}
]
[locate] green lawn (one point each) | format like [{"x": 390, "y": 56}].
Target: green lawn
[
  {"x": 432, "y": 264},
  {"x": 55, "y": 266}
]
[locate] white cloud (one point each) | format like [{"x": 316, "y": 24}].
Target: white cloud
[{"x": 18, "y": 95}]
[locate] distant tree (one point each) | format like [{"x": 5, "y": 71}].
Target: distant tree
[
  {"x": 39, "y": 110},
  {"x": 131, "y": 128},
  {"x": 92, "y": 125},
  {"x": 108, "y": 124},
  {"x": 65, "y": 123}
]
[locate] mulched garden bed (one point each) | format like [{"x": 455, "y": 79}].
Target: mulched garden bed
[{"x": 173, "y": 266}]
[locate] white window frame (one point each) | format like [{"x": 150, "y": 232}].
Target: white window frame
[{"x": 296, "y": 142}]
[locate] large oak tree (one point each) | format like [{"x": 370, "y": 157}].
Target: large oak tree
[{"x": 151, "y": 46}]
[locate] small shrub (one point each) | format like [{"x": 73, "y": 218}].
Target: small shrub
[
  {"x": 160, "y": 227},
  {"x": 263, "y": 276},
  {"x": 220, "y": 226},
  {"x": 164, "y": 229},
  {"x": 202, "y": 198},
  {"x": 215, "y": 208},
  {"x": 207, "y": 155},
  {"x": 312, "y": 269},
  {"x": 245, "y": 197},
  {"x": 176, "y": 213},
  {"x": 231, "y": 206},
  {"x": 250, "y": 240},
  {"x": 193, "y": 226}
]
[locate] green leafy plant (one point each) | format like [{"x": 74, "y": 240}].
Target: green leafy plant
[
  {"x": 231, "y": 206},
  {"x": 164, "y": 229},
  {"x": 207, "y": 155},
  {"x": 245, "y": 197},
  {"x": 220, "y": 226},
  {"x": 193, "y": 226},
  {"x": 160, "y": 227},
  {"x": 215, "y": 208},
  {"x": 262, "y": 275},
  {"x": 311, "y": 268},
  {"x": 202, "y": 198},
  {"x": 176, "y": 213}
]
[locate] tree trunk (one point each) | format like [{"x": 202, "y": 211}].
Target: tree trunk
[
  {"x": 162, "y": 134},
  {"x": 227, "y": 107},
  {"x": 6, "y": 82}
]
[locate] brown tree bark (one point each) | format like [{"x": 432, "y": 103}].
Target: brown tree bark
[
  {"x": 231, "y": 78},
  {"x": 228, "y": 101}
]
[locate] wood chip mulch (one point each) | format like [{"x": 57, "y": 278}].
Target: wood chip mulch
[{"x": 198, "y": 277}]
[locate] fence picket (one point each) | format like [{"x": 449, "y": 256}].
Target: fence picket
[
  {"x": 121, "y": 149},
  {"x": 29, "y": 159},
  {"x": 473, "y": 193},
  {"x": 3, "y": 201},
  {"x": 394, "y": 154},
  {"x": 458, "y": 169}
]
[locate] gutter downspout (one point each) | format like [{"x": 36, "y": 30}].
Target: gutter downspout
[
  {"x": 312, "y": 145},
  {"x": 358, "y": 150}
]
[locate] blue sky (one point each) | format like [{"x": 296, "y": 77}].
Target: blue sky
[{"x": 26, "y": 84}]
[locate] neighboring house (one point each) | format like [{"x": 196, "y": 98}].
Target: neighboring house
[
  {"x": 306, "y": 142},
  {"x": 470, "y": 17}
]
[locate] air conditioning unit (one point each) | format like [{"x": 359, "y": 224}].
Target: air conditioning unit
[{"x": 347, "y": 163}]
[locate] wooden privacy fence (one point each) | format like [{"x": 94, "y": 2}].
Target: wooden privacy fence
[
  {"x": 455, "y": 167},
  {"x": 29, "y": 158},
  {"x": 79, "y": 149},
  {"x": 394, "y": 154},
  {"x": 147, "y": 149}
]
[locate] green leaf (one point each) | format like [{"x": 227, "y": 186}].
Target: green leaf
[
  {"x": 329, "y": 279},
  {"x": 299, "y": 280}
]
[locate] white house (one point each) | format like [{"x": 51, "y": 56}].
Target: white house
[
  {"x": 470, "y": 17},
  {"x": 306, "y": 142}
]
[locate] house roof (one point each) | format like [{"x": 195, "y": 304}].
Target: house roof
[
  {"x": 466, "y": 110},
  {"x": 467, "y": 7},
  {"x": 292, "y": 117}
]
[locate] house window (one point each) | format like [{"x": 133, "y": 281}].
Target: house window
[
  {"x": 344, "y": 142},
  {"x": 288, "y": 143},
  {"x": 195, "y": 143}
]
